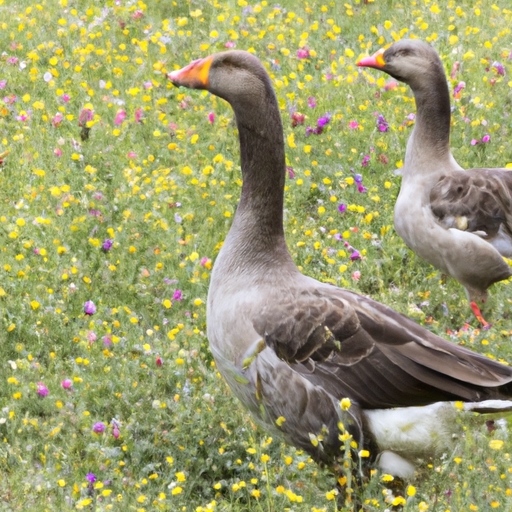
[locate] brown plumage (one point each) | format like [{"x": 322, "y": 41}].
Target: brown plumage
[
  {"x": 291, "y": 347},
  {"x": 459, "y": 221}
]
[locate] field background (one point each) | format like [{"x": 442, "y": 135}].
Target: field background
[{"x": 118, "y": 188}]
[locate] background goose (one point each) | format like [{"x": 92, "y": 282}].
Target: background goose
[
  {"x": 459, "y": 221},
  {"x": 291, "y": 348}
]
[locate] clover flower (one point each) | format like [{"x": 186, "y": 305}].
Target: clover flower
[
  {"x": 99, "y": 427},
  {"x": 41, "y": 389},
  {"x": 89, "y": 307}
]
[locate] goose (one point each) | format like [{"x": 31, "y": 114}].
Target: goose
[
  {"x": 316, "y": 364},
  {"x": 458, "y": 220}
]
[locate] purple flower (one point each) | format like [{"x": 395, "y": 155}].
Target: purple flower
[
  {"x": 342, "y": 207},
  {"x": 89, "y": 307},
  {"x": 42, "y": 390},
  {"x": 177, "y": 295},
  {"x": 360, "y": 188},
  {"x": 457, "y": 89},
  {"x": 99, "y": 427},
  {"x": 107, "y": 341},
  {"x": 382, "y": 124},
  {"x": 311, "y": 102},
  {"x": 322, "y": 121},
  {"x": 355, "y": 255},
  {"x": 357, "y": 177},
  {"x": 85, "y": 115},
  {"x": 67, "y": 384},
  {"x": 498, "y": 66},
  {"x": 474, "y": 142},
  {"x": 107, "y": 245},
  {"x": 290, "y": 171},
  {"x": 90, "y": 477},
  {"x": 486, "y": 138},
  {"x": 365, "y": 161}
]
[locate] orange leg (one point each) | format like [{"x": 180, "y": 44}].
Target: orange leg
[{"x": 476, "y": 310}]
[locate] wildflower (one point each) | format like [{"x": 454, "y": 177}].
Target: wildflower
[
  {"x": 303, "y": 53},
  {"x": 297, "y": 119},
  {"x": 474, "y": 142},
  {"x": 85, "y": 115},
  {"x": 365, "y": 161},
  {"x": 99, "y": 427},
  {"x": 42, "y": 390},
  {"x": 322, "y": 121},
  {"x": 115, "y": 429},
  {"x": 382, "y": 124},
  {"x": 177, "y": 295},
  {"x": 107, "y": 341},
  {"x": 57, "y": 119},
  {"x": 353, "y": 125},
  {"x": 159, "y": 361},
  {"x": 211, "y": 117},
  {"x": 67, "y": 384},
  {"x": 120, "y": 117},
  {"x": 311, "y": 102},
  {"x": 457, "y": 90},
  {"x": 291, "y": 173},
  {"x": 229, "y": 44},
  {"x": 454, "y": 70},
  {"x": 342, "y": 207},
  {"x": 498, "y": 66},
  {"x": 345, "y": 404},
  {"x": 89, "y": 307},
  {"x": 90, "y": 477},
  {"x": 355, "y": 255},
  {"x": 107, "y": 245},
  {"x": 139, "y": 114},
  {"x": 486, "y": 138}
]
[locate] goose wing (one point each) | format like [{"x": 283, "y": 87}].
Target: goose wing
[
  {"x": 478, "y": 200},
  {"x": 352, "y": 346}
]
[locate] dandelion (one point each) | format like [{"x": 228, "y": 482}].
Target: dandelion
[{"x": 89, "y": 307}]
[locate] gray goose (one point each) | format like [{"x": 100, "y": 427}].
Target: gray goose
[
  {"x": 458, "y": 220},
  {"x": 292, "y": 348}
]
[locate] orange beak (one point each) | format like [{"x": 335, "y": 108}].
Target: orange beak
[
  {"x": 375, "y": 61},
  {"x": 193, "y": 76}
]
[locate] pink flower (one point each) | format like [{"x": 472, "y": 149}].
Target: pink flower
[
  {"x": 356, "y": 275},
  {"x": 311, "y": 102},
  {"x": 474, "y": 142},
  {"x": 65, "y": 97},
  {"x": 120, "y": 117},
  {"x": 159, "y": 361},
  {"x": 57, "y": 119},
  {"x": 303, "y": 53},
  {"x": 57, "y": 152},
  {"x": 41, "y": 389},
  {"x": 139, "y": 114},
  {"x": 229, "y": 44},
  {"x": 177, "y": 295},
  {"x": 115, "y": 430},
  {"x": 211, "y": 117},
  {"x": 353, "y": 125},
  {"x": 67, "y": 384},
  {"x": 486, "y": 138},
  {"x": 85, "y": 115}
]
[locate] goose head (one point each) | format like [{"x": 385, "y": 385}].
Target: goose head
[
  {"x": 235, "y": 76},
  {"x": 408, "y": 60}
]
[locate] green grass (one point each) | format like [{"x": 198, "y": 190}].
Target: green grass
[{"x": 164, "y": 191}]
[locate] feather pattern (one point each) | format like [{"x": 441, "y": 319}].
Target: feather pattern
[{"x": 292, "y": 348}]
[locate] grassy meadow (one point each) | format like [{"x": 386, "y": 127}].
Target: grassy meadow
[{"x": 116, "y": 191}]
